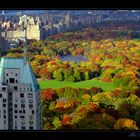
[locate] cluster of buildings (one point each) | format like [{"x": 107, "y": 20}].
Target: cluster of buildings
[{"x": 12, "y": 34}]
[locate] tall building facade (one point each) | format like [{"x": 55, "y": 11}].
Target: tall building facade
[
  {"x": 20, "y": 100},
  {"x": 33, "y": 26}
]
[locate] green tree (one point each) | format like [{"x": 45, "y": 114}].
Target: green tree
[
  {"x": 67, "y": 74},
  {"x": 57, "y": 123},
  {"x": 77, "y": 75},
  {"x": 86, "y": 75},
  {"x": 54, "y": 74},
  {"x": 59, "y": 74},
  {"x": 71, "y": 78}
]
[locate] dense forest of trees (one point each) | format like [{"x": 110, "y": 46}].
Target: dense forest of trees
[{"x": 113, "y": 56}]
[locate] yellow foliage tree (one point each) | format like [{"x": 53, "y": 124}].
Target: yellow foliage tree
[
  {"x": 125, "y": 124},
  {"x": 86, "y": 96}
]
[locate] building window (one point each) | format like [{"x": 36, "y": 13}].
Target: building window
[
  {"x": 31, "y": 128},
  {"x": 22, "y": 100},
  {"x": 30, "y": 106},
  {"x": 23, "y": 127},
  {"x": 4, "y": 116},
  {"x": 30, "y": 101},
  {"x": 31, "y": 117},
  {"x": 12, "y": 80},
  {"x": 15, "y": 105},
  {"x": 32, "y": 111},
  {"x": 22, "y": 117},
  {"x": 22, "y": 105},
  {"x": 31, "y": 122},
  {"x": 0, "y": 95},
  {"x": 15, "y": 127},
  {"x": 15, "y": 88},
  {"x": 24, "y": 111},
  {"x": 21, "y": 95},
  {"x": 4, "y": 121},
  {"x": 15, "y": 116},
  {"x": 16, "y": 74},
  {"x": 4, "y": 111},
  {"x": 7, "y": 81},
  {"x": 23, "y": 122},
  {"x": 20, "y": 111},
  {"x": 6, "y": 74},
  {"x": 30, "y": 95},
  {"x": 4, "y": 105},
  {"x": 16, "y": 99},
  {"x": 15, "y": 111},
  {"x": 4, "y": 100},
  {"x": 3, "y": 88},
  {"x": 10, "y": 93}
]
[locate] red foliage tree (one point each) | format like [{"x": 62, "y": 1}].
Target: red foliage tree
[
  {"x": 48, "y": 94},
  {"x": 92, "y": 106},
  {"x": 66, "y": 119},
  {"x": 107, "y": 79}
]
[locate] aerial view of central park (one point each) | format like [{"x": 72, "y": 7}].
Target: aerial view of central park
[{"x": 87, "y": 64}]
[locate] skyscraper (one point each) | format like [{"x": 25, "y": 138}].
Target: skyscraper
[{"x": 20, "y": 101}]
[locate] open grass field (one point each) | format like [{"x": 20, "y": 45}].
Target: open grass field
[{"x": 44, "y": 84}]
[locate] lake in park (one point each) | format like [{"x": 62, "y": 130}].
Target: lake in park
[{"x": 78, "y": 58}]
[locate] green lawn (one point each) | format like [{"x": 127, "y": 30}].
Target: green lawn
[{"x": 44, "y": 84}]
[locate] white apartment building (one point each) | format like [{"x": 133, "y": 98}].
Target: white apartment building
[{"x": 20, "y": 100}]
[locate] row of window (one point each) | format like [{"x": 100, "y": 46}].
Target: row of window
[
  {"x": 22, "y": 106},
  {"x": 23, "y": 128},
  {"x": 4, "y": 88},
  {"x": 23, "y": 123},
  {"x": 11, "y": 80},
  {"x": 16, "y": 88},
  {"x": 4, "y": 100},
  {"x": 4, "y": 111},
  {"x": 11, "y": 73},
  {"x": 4, "y": 116},
  {"x": 30, "y": 95},
  {"x": 23, "y": 100},
  {"x": 23, "y": 111},
  {"x": 20, "y": 111}
]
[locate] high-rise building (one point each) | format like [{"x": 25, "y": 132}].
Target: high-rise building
[{"x": 20, "y": 100}]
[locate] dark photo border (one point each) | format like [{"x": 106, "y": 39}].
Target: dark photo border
[{"x": 70, "y": 5}]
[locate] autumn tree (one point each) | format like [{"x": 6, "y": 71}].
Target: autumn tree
[
  {"x": 86, "y": 75},
  {"x": 77, "y": 75},
  {"x": 125, "y": 124}
]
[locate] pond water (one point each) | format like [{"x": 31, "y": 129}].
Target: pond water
[{"x": 77, "y": 58}]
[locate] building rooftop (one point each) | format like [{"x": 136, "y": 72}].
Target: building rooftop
[{"x": 26, "y": 73}]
